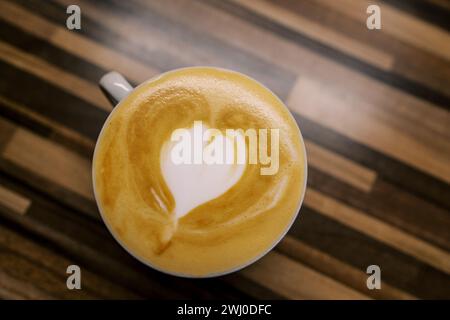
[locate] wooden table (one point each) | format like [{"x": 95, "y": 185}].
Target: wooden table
[{"x": 373, "y": 106}]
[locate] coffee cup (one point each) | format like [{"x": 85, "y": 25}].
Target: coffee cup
[{"x": 198, "y": 172}]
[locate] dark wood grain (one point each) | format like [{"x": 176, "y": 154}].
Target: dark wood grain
[
  {"x": 390, "y": 169},
  {"x": 398, "y": 269},
  {"x": 76, "y": 113},
  {"x": 337, "y": 269},
  {"x": 433, "y": 11},
  {"x": 413, "y": 63},
  {"x": 391, "y": 204},
  {"x": 49, "y": 52}
]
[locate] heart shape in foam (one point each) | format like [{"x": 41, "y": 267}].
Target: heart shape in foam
[{"x": 193, "y": 184}]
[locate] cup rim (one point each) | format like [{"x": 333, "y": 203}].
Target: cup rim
[{"x": 231, "y": 270}]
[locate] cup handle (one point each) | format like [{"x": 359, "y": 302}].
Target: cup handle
[{"x": 115, "y": 87}]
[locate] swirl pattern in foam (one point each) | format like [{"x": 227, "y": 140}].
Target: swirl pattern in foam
[{"x": 135, "y": 191}]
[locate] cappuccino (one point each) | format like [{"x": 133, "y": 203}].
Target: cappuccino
[{"x": 200, "y": 208}]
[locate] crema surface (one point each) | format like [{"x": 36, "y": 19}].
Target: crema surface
[{"x": 137, "y": 203}]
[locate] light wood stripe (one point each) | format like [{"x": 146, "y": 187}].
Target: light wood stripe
[
  {"x": 378, "y": 230},
  {"x": 14, "y": 201},
  {"x": 340, "y": 167},
  {"x": 330, "y": 37},
  {"x": 56, "y": 76},
  {"x": 337, "y": 269},
  {"x": 404, "y": 137},
  {"x": 26, "y": 272},
  {"x": 51, "y": 161},
  {"x": 398, "y": 24},
  {"x": 50, "y": 261},
  {"x": 243, "y": 35},
  {"x": 296, "y": 281},
  {"x": 413, "y": 67},
  {"x": 75, "y": 43},
  {"x": 141, "y": 35},
  {"x": 12, "y": 288},
  {"x": 7, "y": 294},
  {"x": 57, "y": 128}
]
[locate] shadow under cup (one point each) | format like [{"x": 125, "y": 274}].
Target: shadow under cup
[{"x": 185, "y": 221}]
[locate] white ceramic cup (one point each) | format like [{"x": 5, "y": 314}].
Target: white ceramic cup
[{"x": 116, "y": 88}]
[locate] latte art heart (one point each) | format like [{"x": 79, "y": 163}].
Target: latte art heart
[{"x": 193, "y": 184}]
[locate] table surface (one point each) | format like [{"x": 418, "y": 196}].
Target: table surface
[{"x": 373, "y": 106}]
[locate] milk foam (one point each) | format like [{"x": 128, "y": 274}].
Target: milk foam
[{"x": 194, "y": 184}]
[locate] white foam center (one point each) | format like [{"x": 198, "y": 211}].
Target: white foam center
[{"x": 194, "y": 184}]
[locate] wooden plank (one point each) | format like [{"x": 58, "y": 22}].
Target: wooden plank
[
  {"x": 243, "y": 35},
  {"x": 405, "y": 177},
  {"x": 46, "y": 51},
  {"x": 235, "y": 31},
  {"x": 321, "y": 50},
  {"x": 56, "y": 76},
  {"x": 149, "y": 32},
  {"x": 359, "y": 250},
  {"x": 296, "y": 281},
  {"x": 408, "y": 110},
  {"x": 403, "y": 137},
  {"x": 336, "y": 269},
  {"x": 22, "y": 269},
  {"x": 392, "y": 205},
  {"x": 14, "y": 201},
  {"x": 57, "y": 132},
  {"x": 6, "y": 132},
  {"x": 44, "y": 259},
  {"x": 252, "y": 288},
  {"x": 378, "y": 230},
  {"x": 76, "y": 114},
  {"x": 412, "y": 62},
  {"x": 93, "y": 30},
  {"x": 424, "y": 68},
  {"x": 398, "y": 24},
  {"x": 52, "y": 190},
  {"x": 427, "y": 10},
  {"x": 74, "y": 43},
  {"x": 13, "y": 288},
  {"x": 412, "y": 213},
  {"x": 50, "y": 161},
  {"x": 39, "y": 182},
  {"x": 317, "y": 31},
  {"x": 340, "y": 167}
]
